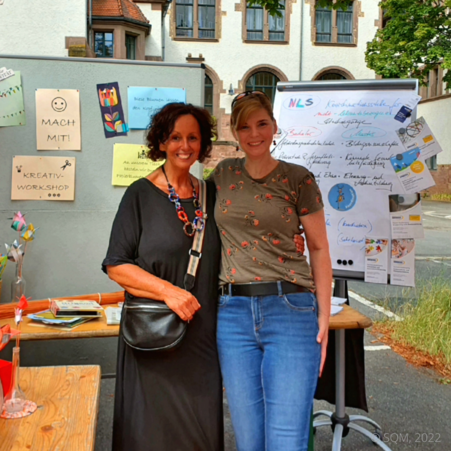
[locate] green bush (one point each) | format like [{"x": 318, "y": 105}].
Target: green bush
[
  {"x": 207, "y": 172},
  {"x": 441, "y": 197}
]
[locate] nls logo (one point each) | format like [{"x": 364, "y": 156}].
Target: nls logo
[{"x": 299, "y": 103}]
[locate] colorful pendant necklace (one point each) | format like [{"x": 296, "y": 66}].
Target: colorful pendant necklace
[{"x": 189, "y": 227}]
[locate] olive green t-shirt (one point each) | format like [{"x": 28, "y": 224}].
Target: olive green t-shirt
[{"x": 257, "y": 220}]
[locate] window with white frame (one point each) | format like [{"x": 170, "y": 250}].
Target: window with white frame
[
  {"x": 334, "y": 26},
  {"x": 258, "y": 20},
  {"x": 195, "y": 19}
]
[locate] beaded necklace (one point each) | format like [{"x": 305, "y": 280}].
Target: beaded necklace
[{"x": 189, "y": 227}]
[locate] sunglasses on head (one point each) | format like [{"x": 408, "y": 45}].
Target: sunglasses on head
[{"x": 243, "y": 95}]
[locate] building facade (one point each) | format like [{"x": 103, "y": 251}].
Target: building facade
[{"x": 242, "y": 47}]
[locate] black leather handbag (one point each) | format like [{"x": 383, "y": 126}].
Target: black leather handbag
[{"x": 149, "y": 325}]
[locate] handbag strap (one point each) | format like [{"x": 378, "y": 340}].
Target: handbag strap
[{"x": 195, "y": 253}]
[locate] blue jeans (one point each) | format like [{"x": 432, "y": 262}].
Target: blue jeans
[{"x": 270, "y": 365}]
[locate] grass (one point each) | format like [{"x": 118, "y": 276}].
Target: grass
[
  {"x": 441, "y": 197},
  {"x": 426, "y": 324}
]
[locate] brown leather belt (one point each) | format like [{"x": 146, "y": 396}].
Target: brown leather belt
[{"x": 261, "y": 289}]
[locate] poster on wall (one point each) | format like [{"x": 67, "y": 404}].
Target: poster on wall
[
  {"x": 43, "y": 178},
  {"x": 111, "y": 109},
  {"x": 143, "y": 103},
  {"x": 347, "y": 140},
  {"x": 58, "y": 119},
  {"x": 130, "y": 163},
  {"x": 12, "y": 109}
]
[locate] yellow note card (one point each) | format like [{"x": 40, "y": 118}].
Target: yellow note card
[
  {"x": 415, "y": 218},
  {"x": 130, "y": 163}
]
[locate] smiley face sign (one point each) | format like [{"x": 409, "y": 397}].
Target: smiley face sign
[
  {"x": 59, "y": 104},
  {"x": 58, "y": 124}
]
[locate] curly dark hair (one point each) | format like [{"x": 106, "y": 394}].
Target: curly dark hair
[{"x": 163, "y": 123}]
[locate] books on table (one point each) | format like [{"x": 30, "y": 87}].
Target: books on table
[
  {"x": 78, "y": 308},
  {"x": 46, "y": 317}
]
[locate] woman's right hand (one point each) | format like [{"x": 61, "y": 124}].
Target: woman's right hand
[{"x": 181, "y": 302}]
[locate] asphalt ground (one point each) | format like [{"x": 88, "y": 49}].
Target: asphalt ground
[{"x": 411, "y": 405}]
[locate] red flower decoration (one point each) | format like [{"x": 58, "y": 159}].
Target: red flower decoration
[
  {"x": 282, "y": 259},
  {"x": 268, "y": 196},
  {"x": 228, "y": 202},
  {"x": 304, "y": 211},
  {"x": 258, "y": 279},
  {"x": 245, "y": 244},
  {"x": 256, "y": 222},
  {"x": 233, "y": 271},
  {"x": 23, "y": 303},
  {"x": 229, "y": 252},
  {"x": 232, "y": 187},
  {"x": 308, "y": 181}
]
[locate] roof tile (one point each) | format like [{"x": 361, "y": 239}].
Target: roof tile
[{"x": 118, "y": 8}]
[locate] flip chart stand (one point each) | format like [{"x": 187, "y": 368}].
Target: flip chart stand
[{"x": 339, "y": 420}]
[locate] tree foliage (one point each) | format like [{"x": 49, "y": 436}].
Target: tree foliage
[
  {"x": 273, "y": 5},
  {"x": 415, "y": 39}
]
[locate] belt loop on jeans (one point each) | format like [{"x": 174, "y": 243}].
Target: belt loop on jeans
[{"x": 279, "y": 288}]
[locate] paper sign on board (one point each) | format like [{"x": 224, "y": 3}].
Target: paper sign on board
[
  {"x": 143, "y": 103},
  {"x": 58, "y": 119},
  {"x": 43, "y": 178},
  {"x": 418, "y": 134},
  {"x": 130, "y": 163},
  {"x": 12, "y": 110}
]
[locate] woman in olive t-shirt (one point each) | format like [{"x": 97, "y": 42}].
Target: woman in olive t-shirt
[{"x": 274, "y": 308}]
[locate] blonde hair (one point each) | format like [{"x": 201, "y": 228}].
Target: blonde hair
[{"x": 246, "y": 106}]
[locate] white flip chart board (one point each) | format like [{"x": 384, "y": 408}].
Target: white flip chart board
[{"x": 344, "y": 132}]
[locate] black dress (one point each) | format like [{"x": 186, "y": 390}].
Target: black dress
[{"x": 168, "y": 401}]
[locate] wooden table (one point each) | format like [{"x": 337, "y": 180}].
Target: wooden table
[
  {"x": 347, "y": 319},
  {"x": 32, "y": 330},
  {"x": 66, "y": 417}
]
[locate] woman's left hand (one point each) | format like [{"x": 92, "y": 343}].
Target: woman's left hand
[
  {"x": 299, "y": 242},
  {"x": 323, "y": 337}
]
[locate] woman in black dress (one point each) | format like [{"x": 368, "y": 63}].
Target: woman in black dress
[{"x": 169, "y": 401}]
